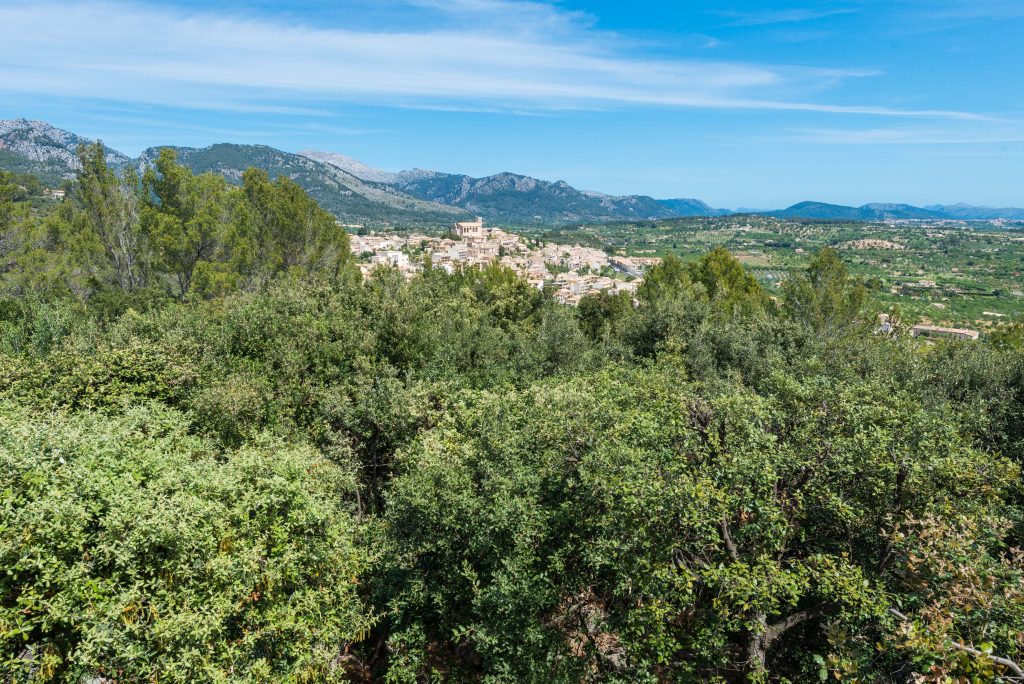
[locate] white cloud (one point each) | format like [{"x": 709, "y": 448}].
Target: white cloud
[
  {"x": 970, "y": 9},
  {"x": 909, "y": 136},
  {"x": 784, "y": 16},
  {"x": 478, "y": 54}
]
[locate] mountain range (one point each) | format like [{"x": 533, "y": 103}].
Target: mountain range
[
  {"x": 886, "y": 212},
  {"x": 867, "y": 212},
  {"x": 353, "y": 200},
  {"x": 359, "y": 194},
  {"x": 43, "y": 150},
  {"x": 509, "y": 197}
]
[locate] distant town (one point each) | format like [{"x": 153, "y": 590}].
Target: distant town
[{"x": 572, "y": 271}]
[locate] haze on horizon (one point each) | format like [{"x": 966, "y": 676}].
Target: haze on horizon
[{"x": 762, "y": 104}]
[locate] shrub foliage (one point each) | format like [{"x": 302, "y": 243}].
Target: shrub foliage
[{"x": 225, "y": 457}]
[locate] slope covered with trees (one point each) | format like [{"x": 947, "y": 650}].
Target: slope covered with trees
[
  {"x": 228, "y": 458},
  {"x": 521, "y": 200},
  {"x": 350, "y": 199},
  {"x": 50, "y": 153}
]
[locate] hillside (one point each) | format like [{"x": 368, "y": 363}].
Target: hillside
[
  {"x": 51, "y": 175},
  {"x": 867, "y": 212},
  {"x": 38, "y": 148},
  {"x": 352, "y": 166},
  {"x": 351, "y": 199},
  {"x": 517, "y": 199},
  {"x": 247, "y": 453},
  {"x": 692, "y": 207},
  {"x": 507, "y": 198},
  {"x": 292, "y": 473}
]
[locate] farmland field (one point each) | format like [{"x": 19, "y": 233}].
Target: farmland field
[{"x": 947, "y": 272}]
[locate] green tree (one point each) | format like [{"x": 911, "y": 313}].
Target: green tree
[
  {"x": 290, "y": 233},
  {"x": 143, "y": 554},
  {"x": 508, "y": 297},
  {"x": 12, "y": 214},
  {"x": 1008, "y": 336},
  {"x": 190, "y": 218},
  {"x": 669, "y": 277},
  {"x": 636, "y": 529},
  {"x": 726, "y": 280},
  {"x": 106, "y": 232},
  {"x": 824, "y": 297},
  {"x": 601, "y": 312}
]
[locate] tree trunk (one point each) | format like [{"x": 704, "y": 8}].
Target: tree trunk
[{"x": 757, "y": 649}]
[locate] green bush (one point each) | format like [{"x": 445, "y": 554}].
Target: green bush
[
  {"x": 136, "y": 552},
  {"x": 635, "y": 527},
  {"x": 224, "y": 457}
]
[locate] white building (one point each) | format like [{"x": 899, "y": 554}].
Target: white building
[{"x": 391, "y": 258}]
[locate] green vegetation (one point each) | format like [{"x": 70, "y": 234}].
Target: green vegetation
[
  {"x": 227, "y": 458},
  {"x": 133, "y": 547},
  {"x": 515, "y": 200},
  {"x": 51, "y": 175},
  {"x": 349, "y": 199},
  {"x": 945, "y": 272},
  {"x": 131, "y": 239}
]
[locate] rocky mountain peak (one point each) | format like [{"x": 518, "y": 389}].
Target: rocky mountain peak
[{"x": 48, "y": 145}]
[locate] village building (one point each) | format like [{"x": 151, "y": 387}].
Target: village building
[
  {"x": 922, "y": 330},
  {"x": 391, "y": 258},
  {"x": 573, "y": 271},
  {"x": 470, "y": 230}
]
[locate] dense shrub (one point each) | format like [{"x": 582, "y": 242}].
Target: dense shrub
[
  {"x": 636, "y": 528},
  {"x": 226, "y": 458},
  {"x": 136, "y": 552}
]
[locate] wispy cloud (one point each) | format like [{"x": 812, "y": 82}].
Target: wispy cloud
[
  {"x": 907, "y": 136},
  {"x": 921, "y": 17},
  {"x": 970, "y": 9},
  {"x": 506, "y": 55},
  {"x": 783, "y": 16}
]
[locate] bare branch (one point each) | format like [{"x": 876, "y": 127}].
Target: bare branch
[
  {"x": 730, "y": 546},
  {"x": 782, "y": 626},
  {"x": 887, "y": 555}
]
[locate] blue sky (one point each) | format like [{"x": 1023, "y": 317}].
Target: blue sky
[{"x": 743, "y": 104}]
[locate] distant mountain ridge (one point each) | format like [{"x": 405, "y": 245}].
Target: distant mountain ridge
[
  {"x": 46, "y": 151},
  {"x": 351, "y": 166},
  {"x": 867, "y": 212},
  {"x": 358, "y": 193},
  {"x": 353, "y": 200},
  {"x": 37, "y": 147},
  {"x": 967, "y": 211},
  {"x": 509, "y": 197},
  {"x": 513, "y": 198},
  {"x": 889, "y": 212},
  {"x": 693, "y": 207}
]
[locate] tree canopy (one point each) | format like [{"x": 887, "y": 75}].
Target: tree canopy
[{"x": 227, "y": 457}]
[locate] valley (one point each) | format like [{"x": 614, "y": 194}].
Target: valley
[
  {"x": 938, "y": 271},
  {"x": 954, "y": 265}
]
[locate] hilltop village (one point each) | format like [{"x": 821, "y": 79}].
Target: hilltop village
[{"x": 571, "y": 270}]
